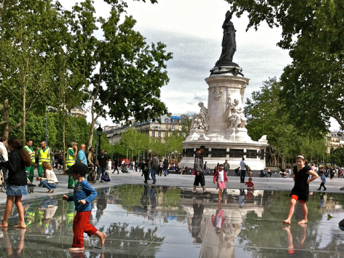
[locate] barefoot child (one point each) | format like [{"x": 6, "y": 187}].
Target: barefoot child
[
  {"x": 301, "y": 188},
  {"x": 83, "y": 195},
  {"x": 221, "y": 178}
]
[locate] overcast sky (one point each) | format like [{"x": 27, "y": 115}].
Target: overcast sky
[{"x": 192, "y": 31}]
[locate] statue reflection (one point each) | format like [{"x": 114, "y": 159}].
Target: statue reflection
[
  {"x": 8, "y": 246},
  {"x": 301, "y": 239}
]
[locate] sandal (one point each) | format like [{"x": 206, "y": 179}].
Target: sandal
[{"x": 51, "y": 191}]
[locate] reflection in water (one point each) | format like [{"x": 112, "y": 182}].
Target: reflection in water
[{"x": 153, "y": 221}]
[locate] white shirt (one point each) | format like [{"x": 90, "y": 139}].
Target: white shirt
[
  {"x": 3, "y": 151},
  {"x": 123, "y": 162},
  {"x": 50, "y": 177},
  {"x": 221, "y": 177},
  {"x": 242, "y": 165}
]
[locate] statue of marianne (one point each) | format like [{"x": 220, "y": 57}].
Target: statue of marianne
[{"x": 228, "y": 41}]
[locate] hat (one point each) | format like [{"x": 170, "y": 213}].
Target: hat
[{"x": 77, "y": 168}]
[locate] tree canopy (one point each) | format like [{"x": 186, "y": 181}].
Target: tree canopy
[{"x": 313, "y": 33}]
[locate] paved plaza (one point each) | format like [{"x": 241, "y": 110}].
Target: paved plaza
[{"x": 168, "y": 220}]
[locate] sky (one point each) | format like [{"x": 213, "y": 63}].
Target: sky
[{"x": 192, "y": 31}]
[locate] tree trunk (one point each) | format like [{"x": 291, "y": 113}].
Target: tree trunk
[
  {"x": 6, "y": 115},
  {"x": 24, "y": 116},
  {"x": 64, "y": 139},
  {"x": 90, "y": 135}
]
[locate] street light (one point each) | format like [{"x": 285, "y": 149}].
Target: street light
[{"x": 99, "y": 133}]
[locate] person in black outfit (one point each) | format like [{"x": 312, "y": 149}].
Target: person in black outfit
[
  {"x": 145, "y": 170},
  {"x": 16, "y": 182},
  {"x": 102, "y": 164},
  {"x": 115, "y": 166},
  {"x": 197, "y": 220},
  {"x": 300, "y": 190},
  {"x": 165, "y": 167}
]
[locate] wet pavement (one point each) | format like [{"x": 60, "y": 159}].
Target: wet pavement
[{"x": 165, "y": 221}]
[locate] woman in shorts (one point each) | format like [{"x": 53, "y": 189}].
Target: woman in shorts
[
  {"x": 17, "y": 182},
  {"x": 300, "y": 191}
]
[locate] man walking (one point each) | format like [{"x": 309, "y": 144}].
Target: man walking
[
  {"x": 115, "y": 166},
  {"x": 71, "y": 156},
  {"x": 28, "y": 148},
  {"x": 165, "y": 167},
  {"x": 199, "y": 172},
  {"x": 243, "y": 171},
  {"x": 154, "y": 168},
  {"x": 102, "y": 164},
  {"x": 226, "y": 167},
  {"x": 44, "y": 156}
]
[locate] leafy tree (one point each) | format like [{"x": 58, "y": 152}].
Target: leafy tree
[
  {"x": 121, "y": 71},
  {"x": 25, "y": 60},
  {"x": 265, "y": 116},
  {"x": 313, "y": 33}
]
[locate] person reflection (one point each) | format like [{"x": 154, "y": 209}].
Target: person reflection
[
  {"x": 101, "y": 204},
  {"x": 241, "y": 198},
  {"x": 322, "y": 200},
  {"x": 197, "y": 220},
  {"x": 218, "y": 219},
  {"x": 46, "y": 212},
  {"x": 302, "y": 238},
  {"x": 8, "y": 246}
]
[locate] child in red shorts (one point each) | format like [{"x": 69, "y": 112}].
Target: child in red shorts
[{"x": 83, "y": 195}]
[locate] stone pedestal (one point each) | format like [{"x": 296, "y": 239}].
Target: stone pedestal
[{"x": 223, "y": 140}]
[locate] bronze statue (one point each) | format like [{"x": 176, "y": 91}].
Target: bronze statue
[{"x": 228, "y": 42}]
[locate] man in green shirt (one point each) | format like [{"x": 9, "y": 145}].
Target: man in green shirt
[
  {"x": 71, "y": 156},
  {"x": 28, "y": 148}
]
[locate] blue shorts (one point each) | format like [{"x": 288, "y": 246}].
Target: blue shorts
[{"x": 17, "y": 190}]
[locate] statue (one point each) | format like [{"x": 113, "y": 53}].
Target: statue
[
  {"x": 228, "y": 42},
  {"x": 201, "y": 120},
  {"x": 234, "y": 114}
]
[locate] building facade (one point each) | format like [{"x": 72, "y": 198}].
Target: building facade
[
  {"x": 334, "y": 140},
  {"x": 167, "y": 126}
]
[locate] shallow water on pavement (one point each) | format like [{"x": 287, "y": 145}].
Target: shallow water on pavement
[{"x": 150, "y": 221}]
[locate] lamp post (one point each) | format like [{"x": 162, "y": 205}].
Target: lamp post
[{"x": 99, "y": 133}]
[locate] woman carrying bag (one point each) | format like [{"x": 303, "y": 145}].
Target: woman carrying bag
[{"x": 17, "y": 183}]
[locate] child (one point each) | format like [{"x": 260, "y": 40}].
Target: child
[
  {"x": 323, "y": 180},
  {"x": 83, "y": 195},
  {"x": 300, "y": 190},
  {"x": 250, "y": 185},
  {"x": 221, "y": 178}
]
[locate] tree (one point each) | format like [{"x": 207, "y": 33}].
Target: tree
[
  {"x": 313, "y": 33},
  {"x": 121, "y": 71},
  {"x": 25, "y": 60},
  {"x": 265, "y": 116}
]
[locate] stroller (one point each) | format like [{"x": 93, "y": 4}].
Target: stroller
[
  {"x": 91, "y": 175},
  {"x": 3, "y": 185},
  {"x": 30, "y": 186},
  {"x": 125, "y": 169}
]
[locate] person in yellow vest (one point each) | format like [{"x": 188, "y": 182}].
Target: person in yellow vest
[
  {"x": 71, "y": 157},
  {"x": 44, "y": 155},
  {"x": 28, "y": 148}
]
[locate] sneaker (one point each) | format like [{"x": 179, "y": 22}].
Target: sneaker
[
  {"x": 193, "y": 191},
  {"x": 205, "y": 191},
  {"x": 101, "y": 181},
  {"x": 319, "y": 189},
  {"x": 145, "y": 182},
  {"x": 154, "y": 182},
  {"x": 70, "y": 187}
]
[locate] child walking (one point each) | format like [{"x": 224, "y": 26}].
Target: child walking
[
  {"x": 323, "y": 180},
  {"x": 221, "y": 178},
  {"x": 300, "y": 190},
  {"x": 83, "y": 195}
]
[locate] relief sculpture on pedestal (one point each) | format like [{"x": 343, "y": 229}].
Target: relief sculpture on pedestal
[{"x": 234, "y": 115}]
